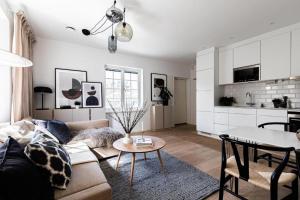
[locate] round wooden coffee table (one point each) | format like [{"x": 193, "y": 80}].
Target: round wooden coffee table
[{"x": 131, "y": 148}]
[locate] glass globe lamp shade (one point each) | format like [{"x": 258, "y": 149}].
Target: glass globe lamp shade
[
  {"x": 115, "y": 15},
  {"x": 112, "y": 44},
  {"x": 123, "y": 32}
]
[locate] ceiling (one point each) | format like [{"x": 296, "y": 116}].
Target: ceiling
[{"x": 172, "y": 30}]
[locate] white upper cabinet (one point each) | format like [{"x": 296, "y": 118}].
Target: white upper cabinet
[
  {"x": 204, "y": 61},
  {"x": 247, "y": 55},
  {"x": 226, "y": 66},
  {"x": 276, "y": 57},
  {"x": 295, "y": 65}
]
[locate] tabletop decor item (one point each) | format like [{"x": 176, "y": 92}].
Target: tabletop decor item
[
  {"x": 158, "y": 81},
  {"x": 68, "y": 86},
  {"x": 128, "y": 117},
  {"x": 165, "y": 95},
  {"x": 277, "y": 102},
  {"x": 227, "y": 101},
  {"x": 92, "y": 95},
  {"x": 42, "y": 90}
]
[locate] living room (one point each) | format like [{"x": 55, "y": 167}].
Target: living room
[{"x": 127, "y": 99}]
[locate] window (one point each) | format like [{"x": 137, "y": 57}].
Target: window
[{"x": 123, "y": 85}]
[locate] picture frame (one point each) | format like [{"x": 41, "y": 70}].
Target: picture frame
[
  {"x": 92, "y": 94},
  {"x": 157, "y": 81},
  {"x": 68, "y": 87}
]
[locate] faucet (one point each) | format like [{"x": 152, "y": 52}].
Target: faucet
[{"x": 251, "y": 103}]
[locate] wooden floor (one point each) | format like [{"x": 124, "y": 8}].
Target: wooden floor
[{"x": 204, "y": 153}]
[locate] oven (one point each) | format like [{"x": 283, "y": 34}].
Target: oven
[{"x": 294, "y": 120}]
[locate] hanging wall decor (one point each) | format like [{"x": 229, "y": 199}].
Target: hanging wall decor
[
  {"x": 68, "y": 87},
  {"x": 92, "y": 95},
  {"x": 158, "y": 81}
]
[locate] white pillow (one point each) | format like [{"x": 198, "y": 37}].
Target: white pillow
[{"x": 22, "y": 131}]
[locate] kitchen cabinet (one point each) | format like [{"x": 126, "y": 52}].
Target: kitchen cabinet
[
  {"x": 226, "y": 66},
  {"x": 242, "y": 117},
  {"x": 204, "y": 61},
  {"x": 247, "y": 55},
  {"x": 205, "y": 122},
  {"x": 264, "y": 116},
  {"x": 220, "y": 120},
  {"x": 295, "y": 57},
  {"x": 206, "y": 92},
  {"x": 205, "y": 101},
  {"x": 220, "y": 128},
  {"x": 276, "y": 57},
  {"x": 205, "y": 80}
]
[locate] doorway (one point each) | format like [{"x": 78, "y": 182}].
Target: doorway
[{"x": 180, "y": 101}]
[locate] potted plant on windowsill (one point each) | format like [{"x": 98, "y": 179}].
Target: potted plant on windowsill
[
  {"x": 128, "y": 116},
  {"x": 165, "y": 95}
]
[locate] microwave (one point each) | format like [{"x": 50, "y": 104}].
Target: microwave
[{"x": 246, "y": 74}]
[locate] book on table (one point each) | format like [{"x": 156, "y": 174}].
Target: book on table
[{"x": 143, "y": 141}]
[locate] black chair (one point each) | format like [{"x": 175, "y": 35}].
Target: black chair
[
  {"x": 269, "y": 156},
  {"x": 257, "y": 174}
]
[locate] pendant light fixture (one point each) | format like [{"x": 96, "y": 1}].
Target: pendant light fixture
[
  {"x": 114, "y": 14},
  {"x": 124, "y": 31},
  {"x": 10, "y": 59},
  {"x": 112, "y": 42}
]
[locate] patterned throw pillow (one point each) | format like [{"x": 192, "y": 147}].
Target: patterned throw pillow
[{"x": 48, "y": 154}]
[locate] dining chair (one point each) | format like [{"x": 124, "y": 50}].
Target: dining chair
[
  {"x": 239, "y": 166},
  {"x": 273, "y": 157}
]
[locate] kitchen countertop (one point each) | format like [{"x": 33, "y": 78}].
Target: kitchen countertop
[{"x": 257, "y": 107}]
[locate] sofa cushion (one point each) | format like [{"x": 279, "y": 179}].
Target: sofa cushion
[
  {"x": 51, "y": 156},
  {"x": 16, "y": 171},
  {"x": 80, "y": 153},
  {"x": 60, "y": 130},
  {"x": 85, "y": 176}
]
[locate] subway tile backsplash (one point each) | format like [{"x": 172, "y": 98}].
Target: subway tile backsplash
[{"x": 264, "y": 92}]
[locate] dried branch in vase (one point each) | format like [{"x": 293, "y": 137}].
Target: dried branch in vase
[{"x": 128, "y": 115}]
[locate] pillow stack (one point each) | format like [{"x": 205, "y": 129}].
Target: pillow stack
[
  {"x": 33, "y": 153},
  {"x": 20, "y": 178},
  {"x": 48, "y": 154}
]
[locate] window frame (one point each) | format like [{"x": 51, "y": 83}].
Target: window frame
[{"x": 123, "y": 70}]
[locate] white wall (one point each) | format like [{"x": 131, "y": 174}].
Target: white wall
[
  {"x": 51, "y": 54},
  {"x": 5, "y": 71}
]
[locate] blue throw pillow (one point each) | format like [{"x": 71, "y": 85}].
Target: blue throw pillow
[{"x": 60, "y": 130}]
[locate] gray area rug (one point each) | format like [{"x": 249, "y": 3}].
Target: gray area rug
[{"x": 178, "y": 181}]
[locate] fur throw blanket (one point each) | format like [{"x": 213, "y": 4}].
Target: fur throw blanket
[{"x": 100, "y": 137}]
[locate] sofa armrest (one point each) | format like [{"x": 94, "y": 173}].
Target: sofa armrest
[{"x": 82, "y": 125}]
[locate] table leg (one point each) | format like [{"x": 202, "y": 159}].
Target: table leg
[
  {"x": 145, "y": 157},
  {"x": 160, "y": 160},
  {"x": 117, "y": 164},
  {"x": 132, "y": 167}
]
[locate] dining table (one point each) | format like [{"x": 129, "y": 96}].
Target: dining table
[{"x": 267, "y": 136}]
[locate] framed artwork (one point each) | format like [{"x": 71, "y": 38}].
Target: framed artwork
[
  {"x": 158, "y": 81},
  {"x": 92, "y": 95},
  {"x": 68, "y": 87}
]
